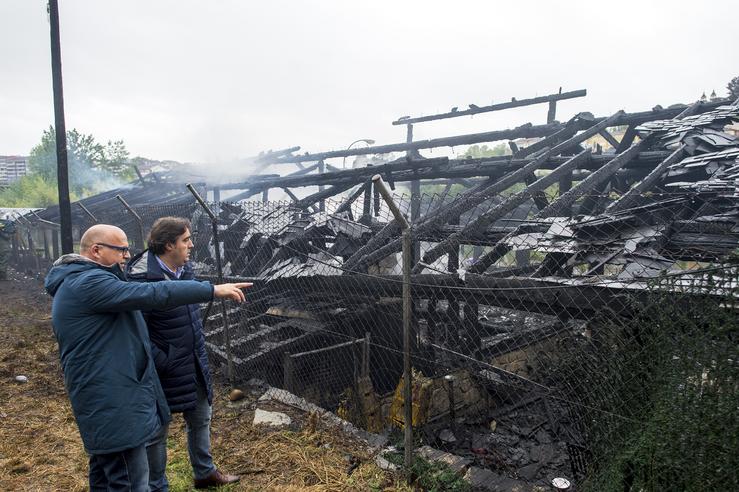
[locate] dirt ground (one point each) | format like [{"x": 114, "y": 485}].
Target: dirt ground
[{"x": 40, "y": 447}]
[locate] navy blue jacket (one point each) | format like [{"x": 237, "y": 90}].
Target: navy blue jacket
[
  {"x": 104, "y": 349},
  {"x": 177, "y": 341}
]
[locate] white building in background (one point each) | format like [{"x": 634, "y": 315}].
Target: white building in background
[{"x": 12, "y": 168}]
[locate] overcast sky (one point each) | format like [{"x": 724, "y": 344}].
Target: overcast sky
[{"x": 215, "y": 80}]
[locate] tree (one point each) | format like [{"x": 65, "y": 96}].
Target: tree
[
  {"x": 33, "y": 191},
  {"x": 479, "y": 151},
  {"x": 92, "y": 166},
  {"x": 733, "y": 88},
  {"x": 472, "y": 152}
]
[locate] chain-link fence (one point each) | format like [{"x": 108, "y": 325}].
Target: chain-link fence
[{"x": 601, "y": 348}]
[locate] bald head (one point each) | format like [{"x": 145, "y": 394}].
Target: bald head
[
  {"x": 101, "y": 233},
  {"x": 105, "y": 244}
]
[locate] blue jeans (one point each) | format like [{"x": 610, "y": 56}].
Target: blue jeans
[
  {"x": 197, "y": 423},
  {"x": 123, "y": 471}
]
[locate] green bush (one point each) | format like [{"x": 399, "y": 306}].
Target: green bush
[
  {"x": 660, "y": 395},
  {"x": 32, "y": 191}
]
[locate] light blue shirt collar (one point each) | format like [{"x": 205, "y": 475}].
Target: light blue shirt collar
[{"x": 175, "y": 274}]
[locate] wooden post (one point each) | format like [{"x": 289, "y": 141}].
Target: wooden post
[
  {"x": 32, "y": 248},
  {"x": 552, "y": 113},
  {"x": 367, "y": 202},
  {"x": 415, "y": 198},
  {"x": 45, "y": 235},
  {"x": 321, "y": 170},
  {"x": 376, "y": 198}
]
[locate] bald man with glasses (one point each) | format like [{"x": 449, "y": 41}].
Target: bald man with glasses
[{"x": 105, "y": 353}]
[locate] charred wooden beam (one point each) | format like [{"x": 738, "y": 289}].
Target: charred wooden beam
[
  {"x": 378, "y": 247},
  {"x": 438, "y": 168},
  {"x": 304, "y": 170},
  {"x": 627, "y": 139},
  {"x": 139, "y": 175},
  {"x": 552, "y": 112},
  {"x": 478, "y": 195},
  {"x": 689, "y": 111},
  {"x": 485, "y": 237},
  {"x": 565, "y": 183},
  {"x": 629, "y": 198},
  {"x": 354, "y": 176},
  {"x": 322, "y": 203},
  {"x": 346, "y": 205},
  {"x": 290, "y": 194},
  {"x": 275, "y": 154},
  {"x": 645, "y": 184},
  {"x": 609, "y": 138},
  {"x": 499, "y": 211},
  {"x": 593, "y": 200},
  {"x": 589, "y": 183},
  {"x": 550, "y": 141},
  {"x": 540, "y": 200},
  {"x": 367, "y": 201},
  {"x": 523, "y": 131},
  {"x": 246, "y": 194},
  {"x": 538, "y": 295},
  {"x": 514, "y": 103}
]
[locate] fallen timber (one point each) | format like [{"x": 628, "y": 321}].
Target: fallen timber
[
  {"x": 403, "y": 170},
  {"x": 540, "y": 247},
  {"x": 564, "y": 298},
  {"x": 524, "y": 131},
  {"x": 515, "y": 103}
]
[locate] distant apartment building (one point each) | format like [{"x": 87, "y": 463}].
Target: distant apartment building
[{"x": 12, "y": 168}]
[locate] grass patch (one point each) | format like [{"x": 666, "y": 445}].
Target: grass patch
[
  {"x": 431, "y": 476},
  {"x": 40, "y": 446}
]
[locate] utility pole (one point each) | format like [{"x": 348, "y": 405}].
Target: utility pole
[{"x": 62, "y": 170}]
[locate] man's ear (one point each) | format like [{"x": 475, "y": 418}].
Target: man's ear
[{"x": 168, "y": 247}]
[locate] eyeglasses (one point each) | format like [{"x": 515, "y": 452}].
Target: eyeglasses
[{"x": 122, "y": 249}]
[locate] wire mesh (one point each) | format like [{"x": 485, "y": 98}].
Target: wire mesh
[{"x": 596, "y": 346}]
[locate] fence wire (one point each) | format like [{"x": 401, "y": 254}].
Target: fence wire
[{"x": 601, "y": 347}]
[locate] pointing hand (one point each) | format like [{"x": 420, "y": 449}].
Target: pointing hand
[{"x": 231, "y": 291}]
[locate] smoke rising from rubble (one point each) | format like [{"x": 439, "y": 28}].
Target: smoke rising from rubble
[{"x": 322, "y": 74}]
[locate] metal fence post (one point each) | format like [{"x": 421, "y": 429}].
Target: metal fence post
[
  {"x": 379, "y": 185},
  {"x": 89, "y": 214},
  {"x": 219, "y": 273},
  {"x": 142, "y": 244},
  {"x": 32, "y": 245},
  {"x": 47, "y": 253},
  {"x": 54, "y": 236},
  {"x": 55, "y": 249}
]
